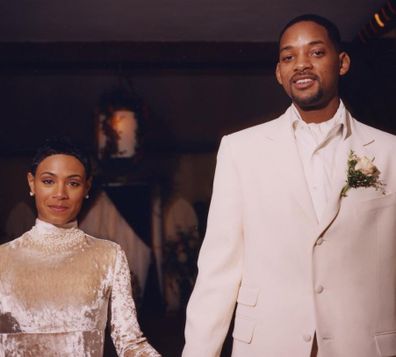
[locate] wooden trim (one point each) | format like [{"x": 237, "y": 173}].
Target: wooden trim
[{"x": 133, "y": 56}]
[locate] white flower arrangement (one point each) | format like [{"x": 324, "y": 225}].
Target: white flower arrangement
[{"x": 362, "y": 173}]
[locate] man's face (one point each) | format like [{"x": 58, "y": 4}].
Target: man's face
[{"x": 309, "y": 65}]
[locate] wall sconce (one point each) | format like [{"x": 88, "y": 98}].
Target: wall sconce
[
  {"x": 382, "y": 21},
  {"x": 117, "y": 125},
  {"x": 117, "y": 135}
]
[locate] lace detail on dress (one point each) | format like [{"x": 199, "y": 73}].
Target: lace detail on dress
[{"x": 52, "y": 238}]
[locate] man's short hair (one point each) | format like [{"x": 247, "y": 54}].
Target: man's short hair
[{"x": 331, "y": 28}]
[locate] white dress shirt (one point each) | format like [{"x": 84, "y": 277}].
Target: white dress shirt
[{"x": 317, "y": 146}]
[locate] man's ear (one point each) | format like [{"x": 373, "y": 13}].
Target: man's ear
[
  {"x": 30, "y": 179},
  {"x": 277, "y": 74},
  {"x": 345, "y": 63}
]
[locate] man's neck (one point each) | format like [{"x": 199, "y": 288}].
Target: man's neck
[{"x": 319, "y": 114}]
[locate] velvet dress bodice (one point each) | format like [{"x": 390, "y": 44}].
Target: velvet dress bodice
[{"x": 58, "y": 289}]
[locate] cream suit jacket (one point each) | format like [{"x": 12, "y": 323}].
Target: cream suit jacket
[{"x": 290, "y": 275}]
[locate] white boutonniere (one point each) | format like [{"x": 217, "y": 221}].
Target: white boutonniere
[{"x": 362, "y": 173}]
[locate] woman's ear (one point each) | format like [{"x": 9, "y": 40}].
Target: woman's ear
[
  {"x": 30, "y": 179},
  {"x": 88, "y": 185}
]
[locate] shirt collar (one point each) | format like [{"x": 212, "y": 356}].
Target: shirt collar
[{"x": 339, "y": 118}]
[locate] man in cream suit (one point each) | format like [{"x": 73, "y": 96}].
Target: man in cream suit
[{"x": 308, "y": 259}]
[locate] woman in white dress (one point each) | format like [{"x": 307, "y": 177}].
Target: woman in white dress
[{"x": 59, "y": 286}]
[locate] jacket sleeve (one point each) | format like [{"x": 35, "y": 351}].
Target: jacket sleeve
[
  {"x": 125, "y": 331},
  {"x": 213, "y": 300}
]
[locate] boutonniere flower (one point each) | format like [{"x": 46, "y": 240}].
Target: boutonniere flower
[{"x": 362, "y": 173}]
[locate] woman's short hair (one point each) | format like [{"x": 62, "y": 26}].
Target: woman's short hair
[{"x": 61, "y": 146}]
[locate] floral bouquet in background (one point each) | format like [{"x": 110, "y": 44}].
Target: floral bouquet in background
[{"x": 180, "y": 263}]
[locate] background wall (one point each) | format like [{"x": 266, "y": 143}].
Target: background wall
[{"x": 187, "y": 111}]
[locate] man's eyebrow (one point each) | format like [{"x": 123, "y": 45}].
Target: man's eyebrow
[
  {"x": 312, "y": 43},
  {"x": 317, "y": 42},
  {"x": 285, "y": 48}
]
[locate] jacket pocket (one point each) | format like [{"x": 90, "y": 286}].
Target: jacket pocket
[
  {"x": 379, "y": 202},
  {"x": 247, "y": 296},
  {"x": 386, "y": 344},
  {"x": 243, "y": 329}
]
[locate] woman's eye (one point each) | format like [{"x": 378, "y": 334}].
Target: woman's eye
[
  {"x": 74, "y": 183},
  {"x": 47, "y": 181}
]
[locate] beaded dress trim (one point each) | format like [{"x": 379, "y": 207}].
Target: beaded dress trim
[{"x": 53, "y": 238}]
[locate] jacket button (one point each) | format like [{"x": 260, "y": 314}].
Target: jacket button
[
  {"x": 319, "y": 289},
  {"x": 307, "y": 338},
  {"x": 319, "y": 241}
]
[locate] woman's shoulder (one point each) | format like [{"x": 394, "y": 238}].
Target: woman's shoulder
[
  {"x": 11, "y": 249},
  {"x": 102, "y": 250},
  {"x": 12, "y": 244},
  {"x": 102, "y": 244}
]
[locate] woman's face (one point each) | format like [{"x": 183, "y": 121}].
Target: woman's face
[{"x": 59, "y": 186}]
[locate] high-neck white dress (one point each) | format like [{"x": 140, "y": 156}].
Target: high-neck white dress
[{"x": 58, "y": 289}]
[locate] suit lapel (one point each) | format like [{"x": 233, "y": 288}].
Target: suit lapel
[
  {"x": 339, "y": 181},
  {"x": 356, "y": 141},
  {"x": 291, "y": 169}
]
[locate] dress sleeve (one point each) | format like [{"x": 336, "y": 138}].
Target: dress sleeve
[{"x": 125, "y": 330}]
